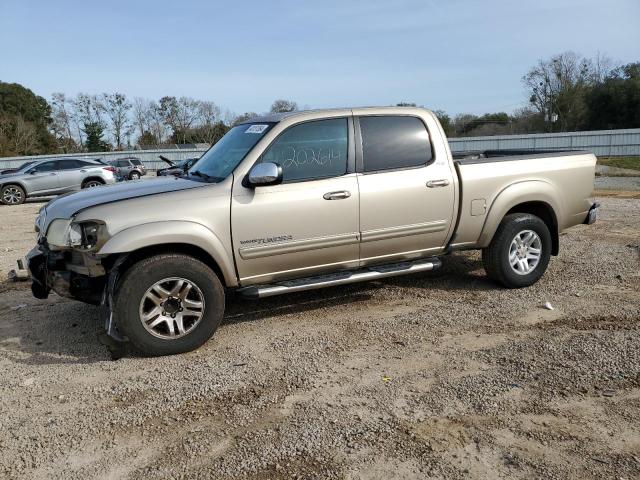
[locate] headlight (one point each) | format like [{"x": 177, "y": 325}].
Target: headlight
[
  {"x": 64, "y": 233},
  {"x": 58, "y": 233}
]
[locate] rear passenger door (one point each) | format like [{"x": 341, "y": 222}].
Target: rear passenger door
[
  {"x": 309, "y": 223},
  {"x": 70, "y": 175},
  {"x": 406, "y": 198}
]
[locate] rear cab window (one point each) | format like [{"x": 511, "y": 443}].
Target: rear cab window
[
  {"x": 312, "y": 150},
  {"x": 394, "y": 142}
]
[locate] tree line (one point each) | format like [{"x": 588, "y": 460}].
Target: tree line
[{"x": 566, "y": 92}]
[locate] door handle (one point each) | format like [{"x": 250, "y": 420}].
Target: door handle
[
  {"x": 341, "y": 195},
  {"x": 53, "y": 173},
  {"x": 83, "y": 171},
  {"x": 437, "y": 183}
]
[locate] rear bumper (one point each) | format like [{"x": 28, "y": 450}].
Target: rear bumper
[{"x": 592, "y": 216}]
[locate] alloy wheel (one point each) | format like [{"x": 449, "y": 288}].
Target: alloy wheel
[
  {"x": 525, "y": 251},
  {"x": 171, "y": 308},
  {"x": 12, "y": 196}
]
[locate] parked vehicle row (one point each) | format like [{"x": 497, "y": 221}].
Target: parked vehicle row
[
  {"x": 298, "y": 201},
  {"x": 53, "y": 177}
]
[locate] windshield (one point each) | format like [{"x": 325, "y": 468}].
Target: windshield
[
  {"x": 24, "y": 166},
  {"x": 221, "y": 159}
]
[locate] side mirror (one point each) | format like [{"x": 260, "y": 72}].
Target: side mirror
[
  {"x": 32, "y": 172},
  {"x": 264, "y": 174}
]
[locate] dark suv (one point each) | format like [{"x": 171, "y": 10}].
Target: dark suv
[{"x": 129, "y": 168}]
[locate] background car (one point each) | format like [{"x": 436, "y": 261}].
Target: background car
[
  {"x": 176, "y": 168},
  {"x": 53, "y": 177},
  {"x": 129, "y": 168}
]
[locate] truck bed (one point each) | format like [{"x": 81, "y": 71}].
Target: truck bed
[{"x": 562, "y": 180}]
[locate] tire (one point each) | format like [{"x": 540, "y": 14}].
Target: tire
[
  {"x": 141, "y": 283},
  {"x": 92, "y": 183},
  {"x": 134, "y": 176},
  {"x": 505, "y": 249},
  {"x": 13, "y": 195}
]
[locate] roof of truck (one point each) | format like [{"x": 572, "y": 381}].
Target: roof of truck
[{"x": 278, "y": 117}]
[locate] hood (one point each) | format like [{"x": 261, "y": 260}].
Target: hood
[
  {"x": 9, "y": 173},
  {"x": 70, "y": 204}
]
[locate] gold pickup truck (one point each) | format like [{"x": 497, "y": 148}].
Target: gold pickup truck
[{"x": 297, "y": 201}]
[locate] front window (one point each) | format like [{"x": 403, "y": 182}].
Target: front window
[
  {"x": 311, "y": 150},
  {"x": 221, "y": 159}
]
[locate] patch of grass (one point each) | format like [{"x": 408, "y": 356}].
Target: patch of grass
[{"x": 632, "y": 163}]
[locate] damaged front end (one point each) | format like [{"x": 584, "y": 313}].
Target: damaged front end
[{"x": 70, "y": 273}]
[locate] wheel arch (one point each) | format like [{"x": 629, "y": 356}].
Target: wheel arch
[
  {"x": 533, "y": 197},
  {"x": 96, "y": 178},
  {"x": 174, "y": 237}
]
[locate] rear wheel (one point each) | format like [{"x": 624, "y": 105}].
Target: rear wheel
[
  {"x": 168, "y": 304},
  {"x": 520, "y": 251},
  {"x": 134, "y": 176},
  {"x": 92, "y": 183},
  {"x": 13, "y": 195}
]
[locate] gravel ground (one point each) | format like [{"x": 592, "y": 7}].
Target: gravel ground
[{"x": 442, "y": 375}]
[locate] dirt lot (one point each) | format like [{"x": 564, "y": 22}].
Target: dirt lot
[{"x": 428, "y": 376}]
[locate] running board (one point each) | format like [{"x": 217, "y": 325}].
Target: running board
[{"x": 341, "y": 278}]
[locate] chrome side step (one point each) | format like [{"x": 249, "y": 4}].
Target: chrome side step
[{"x": 341, "y": 278}]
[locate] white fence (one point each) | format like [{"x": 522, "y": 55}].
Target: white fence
[{"x": 604, "y": 143}]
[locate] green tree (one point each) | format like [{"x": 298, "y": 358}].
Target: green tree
[
  {"x": 615, "y": 103},
  {"x": 25, "y": 117},
  {"x": 94, "y": 132}
]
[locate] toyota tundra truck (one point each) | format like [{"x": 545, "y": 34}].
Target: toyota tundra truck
[{"x": 297, "y": 201}]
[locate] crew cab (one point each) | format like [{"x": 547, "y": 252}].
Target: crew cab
[{"x": 303, "y": 200}]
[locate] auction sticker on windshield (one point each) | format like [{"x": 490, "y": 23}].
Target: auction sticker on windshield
[{"x": 256, "y": 129}]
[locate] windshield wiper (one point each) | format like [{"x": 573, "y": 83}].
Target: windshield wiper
[{"x": 198, "y": 173}]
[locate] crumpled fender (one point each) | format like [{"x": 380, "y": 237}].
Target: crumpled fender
[
  {"x": 515, "y": 194},
  {"x": 174, "y": 231}
]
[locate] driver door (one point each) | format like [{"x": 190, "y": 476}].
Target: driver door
[
  {"x": 43, "y": 178},
  {"x": 309, "y": 223}
]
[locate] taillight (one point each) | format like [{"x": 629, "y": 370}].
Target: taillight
[{"x": 109, "y": 169}]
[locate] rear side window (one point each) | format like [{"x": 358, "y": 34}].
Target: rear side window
[
  {"x": 393, "y": 142},
  {"x": 135, "y": 161},
  {"x": 122, "y": 163},
  {"x": 311, "y": 150},
  {"x": 69, "y": 164}
]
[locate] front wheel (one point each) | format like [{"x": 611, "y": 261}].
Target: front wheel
[
  {"x": 13, "y": 195},
  {"x": 520, "y": 251},
  {"x": 168, "y": 304}
]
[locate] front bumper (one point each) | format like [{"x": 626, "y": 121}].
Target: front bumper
[
  {"x": 592, "y": 215},
  {"x": 49, "y": 270}
]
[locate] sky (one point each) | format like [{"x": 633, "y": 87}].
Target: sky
[{"x": 455, "y": 55}]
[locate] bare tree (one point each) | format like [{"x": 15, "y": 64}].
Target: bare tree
[
  {"x": 556, "y": 89},
  {"x": 22, "y": 136},
  {"x": 116, "y": 106},
  {"x": 284, "y": 106},
  {"x": 141, "y": 115},
  {"x": 243, "y": 117},
  {"x": 60, "y": 116},
  {"x": 180, "y": 114}
]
